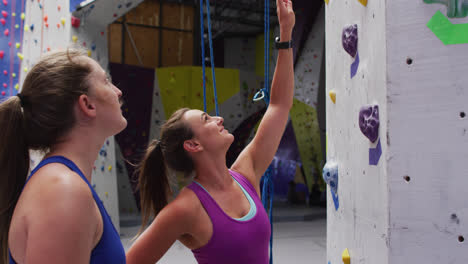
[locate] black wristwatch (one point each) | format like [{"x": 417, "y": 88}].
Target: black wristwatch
[{"x": 283, "y": 45}]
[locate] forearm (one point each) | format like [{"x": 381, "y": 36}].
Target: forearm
[{"x": 282, "y": 88}]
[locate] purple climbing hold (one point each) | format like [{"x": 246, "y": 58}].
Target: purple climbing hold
[
  {"x": 350, "y": 39},
  {"x": 369, "y": 121}
]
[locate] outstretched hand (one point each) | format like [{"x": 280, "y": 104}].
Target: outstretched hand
[{"x": 286, "y": 16}]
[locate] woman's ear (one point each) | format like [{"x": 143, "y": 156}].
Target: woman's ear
[
  {"x": 192, "y": 145},
  {"x": 86, "y": 106}
]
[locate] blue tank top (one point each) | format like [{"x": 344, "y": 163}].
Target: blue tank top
[{"x": 109, "y": 249}]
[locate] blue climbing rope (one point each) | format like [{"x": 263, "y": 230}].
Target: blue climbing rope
[
  {"x": 210, "y": 40},
  {"x": 264, "y": 93},
  {"x": 202, "y": 32}
]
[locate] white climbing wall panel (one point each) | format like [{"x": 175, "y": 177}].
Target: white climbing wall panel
[
  {"x": 428, "y": 140},
  {"x": 361, "y": 222}
]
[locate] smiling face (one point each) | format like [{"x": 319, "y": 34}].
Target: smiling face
[
  {"x": 208, "y": 131},
  {"x": 107, "y": 99}
]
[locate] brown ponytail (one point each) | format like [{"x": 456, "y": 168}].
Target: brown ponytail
[
  {"x": 153, "y": 179},
  {"x": 14, "y": 164},
  {"x": 37, "y": 119},
  {"x": 154, "y": 189}
]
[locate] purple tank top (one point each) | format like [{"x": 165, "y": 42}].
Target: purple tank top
[{"x": 234, "y": 241}]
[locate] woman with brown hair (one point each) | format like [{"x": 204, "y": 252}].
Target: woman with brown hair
[
  {"x": 67, "y": 108},
  {"x": 219, "y": 216}
]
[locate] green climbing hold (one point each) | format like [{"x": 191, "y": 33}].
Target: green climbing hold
[{"x": 455, "y": 8}]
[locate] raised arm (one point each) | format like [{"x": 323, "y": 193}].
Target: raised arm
[{"x": 256, "y": 157}]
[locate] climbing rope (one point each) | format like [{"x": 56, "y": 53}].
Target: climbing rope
[{"x": 210, "y": 41}]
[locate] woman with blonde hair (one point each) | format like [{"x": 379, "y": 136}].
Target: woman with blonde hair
[{"x": 67, "y": 108}]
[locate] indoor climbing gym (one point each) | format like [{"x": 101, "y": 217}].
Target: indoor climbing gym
[{"x": 234, "y": 131}]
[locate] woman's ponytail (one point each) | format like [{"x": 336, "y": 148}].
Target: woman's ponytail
[{"x": 14, "y": 164}]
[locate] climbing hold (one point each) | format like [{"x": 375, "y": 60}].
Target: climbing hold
[
  {"x": 63, "y": 21},
  {"x": 16, "y": 86},
  {"x": 106, "y": 193},
  {"x": 93, "y": 47},
  {"x": 89, "y": 53},
  {"x": 75, "y": 38},
  {"x": 109, "y": 168},
  {"x": 349, "y": 39},
  {"x": 84, "y": 43},
  {"x": 18, "y": 45},
  {"x": 9, "y": 44},
  {"x": 13, "y": 14},
  {"x": 446, "y": 31},
  {"x": 16, "y": 26},
  {"x": 3, "y": 21},
  {"x": 332, "y": 96},
  {"x": 32, "y": 27},
  {"x": 102, "y": 33},
  {"x": 48, "y": 48},
  {"x": 22, "y": 16},
  {"x": 2, "y": 53},
  {"x": 46, "y": 17},
  {"x": 5, "y": 85},
  {"x": 25, "y": 69},
  {"x": 5, "y": 2},
  {"x": 58, "y": 25},
  {"x": 4, "y": 14},
  {"x": 5, "y": 72},
  {"x": 346, "y": 258},
  {"x": 26, "y": 28},
  {"x": 59, "y": 7},
  {"x": 330, "y": 176},
  {"x": 75, "y": 22},
  {"x": 13, "y": 75},
  {"x": 355, "y": 66},
  {"x": 326, "y": 1},
  {"x": 6, "y": 32},
  {"x": 3, "y": 93},
  {"x": 455, "y": 8},
  {"x": 21, "y": 56},
  {"x": 363, "y": 2},
  {"x": 46, "y": 25},
  {"x": 369, "y": 121}
]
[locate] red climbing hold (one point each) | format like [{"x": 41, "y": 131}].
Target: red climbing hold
[
  {"x": 3, "y": 21},
  {"x": 5, "y": 14},
  {"x": 9, "y": 43},
  {"x": 5, "y": 72},
  {"x": 47, "y": 25},
  {"x": 6, "y": 32},
  {"x": 59, "y": 7},
  {"x": 75, "y": 21},
  {"x": 102, "y": 33},
  {"x": 3, "y": 93},
  {"x": 5, "y": 85},
  {"x": 5, "y": 2},
  {"x": 58, "y": 25},
  {"x": 46, "y": 17},
  {"x": 2, "y": 53}
]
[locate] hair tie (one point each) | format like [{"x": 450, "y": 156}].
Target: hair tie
[{"x": 22, "y": 99}]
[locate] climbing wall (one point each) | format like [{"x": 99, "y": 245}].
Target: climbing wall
[
  {"x": 397, "y": 187},
  {"x": 427, "y": 144},
  {"x": 356, "y": 171}
]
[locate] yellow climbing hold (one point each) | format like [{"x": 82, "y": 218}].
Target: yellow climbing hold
[
  {"x": 332, "y": 96},
  {"x": 63, "y": 20},
  {"x": 21, "y": 56},
  {"x": 363, "y": 2},
  {"x": 16, "y": 86},
  {"x": 75, "y": 39},
  {"x": 18, "y": 45},
  {"x": 25, "y": 69},
  {"x": 16, "y": 26},
  {"x": 13, "y": 75},
  {"x": 26, "y": 28},
  {"x": 346, "y": 258},
  {"x": 106, "y": 193},
  {"x": 109, "y": 168},
  {"x": 13, "y": 14},
  {"x": 22, "y": 16},
  {"x": 326, "y": 1},
  {"x": 89, "y": 53}
]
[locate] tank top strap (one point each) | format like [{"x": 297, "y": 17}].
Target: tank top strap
[
  {"x": 242, "y": 180},
  {"x": 206, "y": 200}
]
